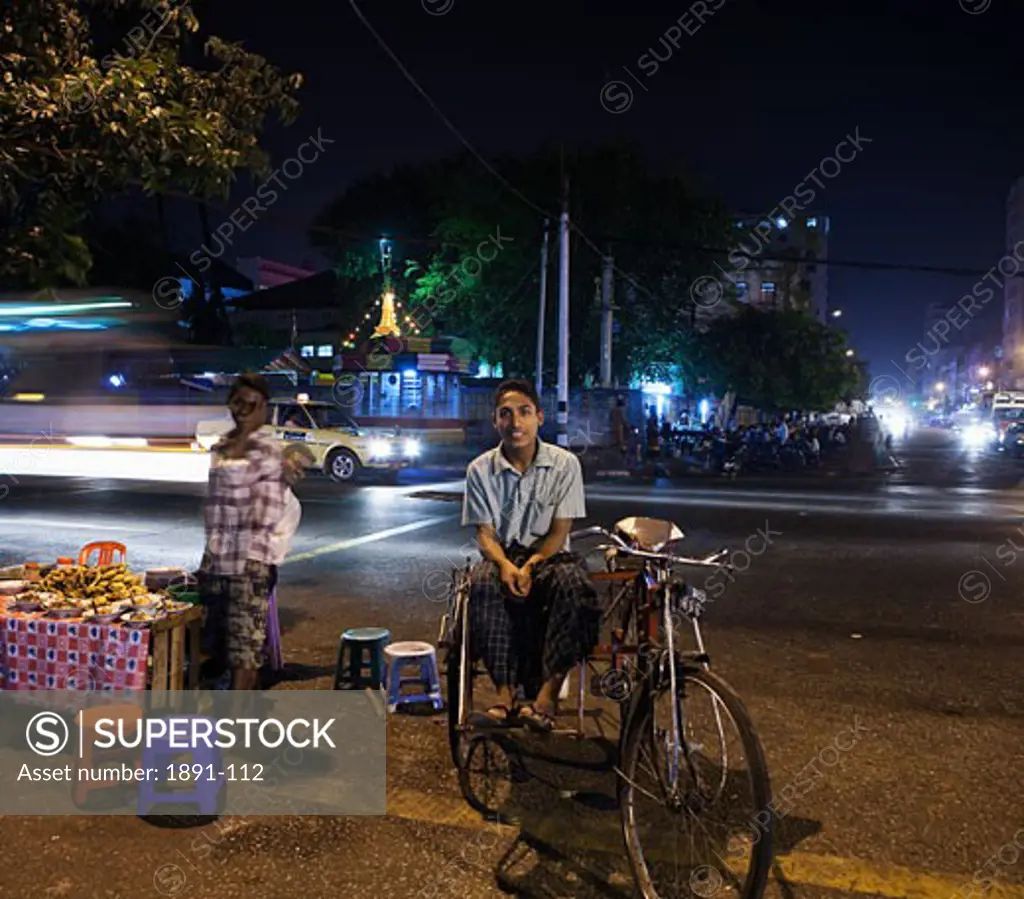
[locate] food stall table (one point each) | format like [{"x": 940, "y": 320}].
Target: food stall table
[
  {"x": 168, "y": 650},
  {"x": 41, "y": 653}
]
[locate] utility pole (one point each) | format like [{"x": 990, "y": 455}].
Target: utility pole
[
  {"x": 607, "y": 319},
  {"x": 563, "y": 321},
  {"x": 543, "y": 308}
]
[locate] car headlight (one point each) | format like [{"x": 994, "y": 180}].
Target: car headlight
[
  {"x": 380, "y": 449},
  {"x": 412, "y": 448}
]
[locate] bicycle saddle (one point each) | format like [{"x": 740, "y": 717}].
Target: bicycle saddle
[{"x": 649, "y": 534}]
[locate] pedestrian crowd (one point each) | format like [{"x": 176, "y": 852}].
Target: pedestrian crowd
[{"x": 791, "y": 441}]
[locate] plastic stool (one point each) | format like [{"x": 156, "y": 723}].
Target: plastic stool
[
  {"x": 272, "y": 647},
  {"x": 422, "y": 655},
  {"x": 92, "y": 758},
  {"x": 204, "y": 792},
  {"x": 365, "y": 647},
  {"x": 108, "y": 552}
]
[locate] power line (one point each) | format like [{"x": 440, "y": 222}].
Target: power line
[
  {"x": 817, "y": 260},
  {"x": 361, "y": 237},
  {"x": 357, "y": 237},
  {"x": 408, "y": 76},
  {"x": 544, "y": 215}
]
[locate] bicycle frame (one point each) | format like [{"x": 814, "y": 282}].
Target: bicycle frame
[
  {"x": 456, "y": 621},
  {"x": 655, "y": 577},
  {"x": 648, "y": 607},
  {"x": 651, "y": 618}
]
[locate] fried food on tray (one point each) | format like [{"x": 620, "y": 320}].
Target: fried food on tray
[{"x": 103, "y": 585}]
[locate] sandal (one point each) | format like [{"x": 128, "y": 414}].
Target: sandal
[
  {"x": 495, "y": 716},
  {"x": 537, "y": 719}
]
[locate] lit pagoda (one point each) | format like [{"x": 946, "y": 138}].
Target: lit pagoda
[{"x": 388, "y": 326}]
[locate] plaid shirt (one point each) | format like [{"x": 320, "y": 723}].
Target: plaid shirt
[{"x": 245, "y": 500}]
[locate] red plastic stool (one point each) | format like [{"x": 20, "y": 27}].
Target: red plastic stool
[{"x": 107, "y": 552}]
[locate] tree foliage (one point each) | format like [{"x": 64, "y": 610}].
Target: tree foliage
[
  {"x": 777, "y": 360},
  {"x": 469, "y": 245},
  {"x": 84, "y": 122}
]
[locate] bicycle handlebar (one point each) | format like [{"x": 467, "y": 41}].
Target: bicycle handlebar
[{"x": 710, "y": 561}]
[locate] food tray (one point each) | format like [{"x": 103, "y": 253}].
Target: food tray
[{"x": 125, "y": 622}]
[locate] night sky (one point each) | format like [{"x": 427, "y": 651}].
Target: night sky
[{"x": 750, "y": 102}]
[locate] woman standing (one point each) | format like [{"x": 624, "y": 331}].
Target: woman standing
[{"x": 245, "y": 501}]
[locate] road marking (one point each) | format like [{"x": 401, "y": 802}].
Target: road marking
[
  {"x": 849, "y": 875},
  {"x": 368, "y": 538},
  {"x": 406, "y": 489},
  {"x": 883, "y": 507},
  {"x": 892, "y": 881},
  {"x": 377, "y": 492},
  {"x": 74, "y": 526}
]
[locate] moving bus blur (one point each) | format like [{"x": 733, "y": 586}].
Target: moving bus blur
[{"x": 1006, "y": 409}]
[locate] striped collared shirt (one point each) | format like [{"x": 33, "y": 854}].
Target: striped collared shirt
[{"x": 522, "y": 507}]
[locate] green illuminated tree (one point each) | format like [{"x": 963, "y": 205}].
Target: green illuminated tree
[
  {"x": 777, "y": 360},
  {"x": 440, "y": 213},
  {"x": 82, "y": 123}
]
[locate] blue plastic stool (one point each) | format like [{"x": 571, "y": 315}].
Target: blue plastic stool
[
  {"x": 204, "y": 791},
  {"x": 423, "y": 656},
  {"x": 361, "y": 648}
]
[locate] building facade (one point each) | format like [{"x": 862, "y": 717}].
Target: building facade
[
  {"x": 310, "y": 313},
  {"x": 774, "y": 264},
  {"x": 1012, "y": 374}
]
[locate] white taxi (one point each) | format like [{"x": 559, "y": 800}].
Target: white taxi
[{"x": 340, "y": 446}]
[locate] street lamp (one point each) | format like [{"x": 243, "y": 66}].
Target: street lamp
[
  {"x": 939, "y": 387},
  {"x": 849, "y": 353},
  {"x": 837, "y": 313},
  {"x": 983, "y": 372}
]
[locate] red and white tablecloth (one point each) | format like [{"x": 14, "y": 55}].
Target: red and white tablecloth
[{"x": 70, "y": 654}]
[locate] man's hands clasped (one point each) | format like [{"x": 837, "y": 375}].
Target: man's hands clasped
[{"x": 517, "y": 580}]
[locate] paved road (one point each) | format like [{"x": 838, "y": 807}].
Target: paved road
[{"x": 892, "y": 605}]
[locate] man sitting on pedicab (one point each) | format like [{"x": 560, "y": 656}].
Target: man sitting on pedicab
[{"x": 534, "y": 614}]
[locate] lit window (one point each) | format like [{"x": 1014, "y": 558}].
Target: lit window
[
  {"x": 307, "y": 352},
  {"x": 741, "y": 286},
  {"x": 768, "y": 287},
  {"x": 812, "y": 222},
  {"x": 325, "y": 351}
]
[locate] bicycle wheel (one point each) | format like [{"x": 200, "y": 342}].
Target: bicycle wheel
[
  {"x": 705, "y": 830},
  {"x": 488, "y": 772}
]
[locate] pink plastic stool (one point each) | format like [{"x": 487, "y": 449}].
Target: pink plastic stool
[{"x": 272, "y": 648}]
